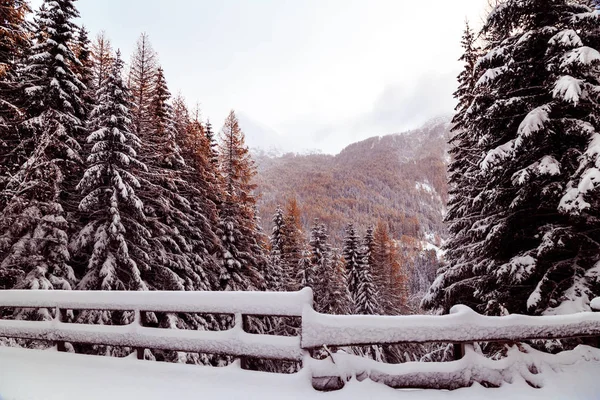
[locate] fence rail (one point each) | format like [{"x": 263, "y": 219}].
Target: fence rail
[{"x": 461, "y": 328}]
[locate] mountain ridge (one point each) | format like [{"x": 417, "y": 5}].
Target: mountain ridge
[{"x": 399, "y": 178}]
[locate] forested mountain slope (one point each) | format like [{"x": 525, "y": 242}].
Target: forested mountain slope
[{"x": 399, "y": 178}]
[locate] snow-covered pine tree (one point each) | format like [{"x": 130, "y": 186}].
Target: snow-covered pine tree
[
  {"x": 366, "y": 303},
  {"x": 71, "y": 196},
  {"x": 275, "y": 272},
  {"x": 527, "y": 240},
  {"x": 366, "y": 296},
  {"x": 327, "y": 274},
  {"x": 84, "y": 69},
  {"x": 204, "y": 189},
  {"x": 180, "y": 236},
  {"x": 114, "y": 240},
  {"x": 319, "y": 257},
  {"x": 463, "y": 150},
  {"x": 338, "y": 298},
  {"x": 33, "y": 229},
  {"x": 368, "y": 249},
  {"x": 243, "y": 260},
  {"x": 352, "y": 259},
  {"x": 213, "y": 145},
  {"x": 142, "y": 77},
  {"x": 306, "y": 273},
  {"x": 102, "y": 59}
]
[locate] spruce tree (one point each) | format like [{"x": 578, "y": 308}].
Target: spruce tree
[
  {"x": 353, "y": 259},
  {"x": 327, "y": 274},
  {"x": 114, "y": 239},
  {"x": 213, "y": 145},
  {"x": 365, "y": 300},
  {"x": 204, "y": 189},
  {"x": 366, "y": 296},
  {"x": 275, "y": 272},
  {"x": 243, "y": 260},
  {"x": 306, "y": 273},
  {"x": 526, "y": 242},
  {"x": 180, "y": 237},
  {"x": 33, "y": 229}
]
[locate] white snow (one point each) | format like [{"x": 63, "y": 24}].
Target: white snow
[
  {"x": 519, "y": 366},
  {"x": 250, "y": 303},
  {"x": 534, "y": 121},
  {"x": 425, "y": 187},
  {"x": 490, "y": 75},
  {"x": 567, "y": 38},
  {"x": 427, "y": 246},
  {"x": 548, "y": 166},
  {"x": 573, "y": 201},
  {"x": 518, "y": 269},
  {"x": 498, "y": 154},
  {"x": 232, "y": 342},
  {"x": 568, "y": 89},
  {"x": 582, "y": 55},
  {"x": 49, "y": 375},
  {"x": 461, "y": 325}
]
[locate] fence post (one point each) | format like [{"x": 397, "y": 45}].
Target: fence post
[
  {"x": 458, "y": 350},
  {"x": 240, "y": 324},
  {"x": 595, "y": 341},
  {"x": 137, "y": 320},
  {"x": 60, "y": 345}
]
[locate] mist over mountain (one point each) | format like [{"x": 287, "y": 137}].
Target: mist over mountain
[{"x": 399, "y": 178}]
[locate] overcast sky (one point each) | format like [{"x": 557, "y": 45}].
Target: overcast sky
[{"x": 311, "y": 73}]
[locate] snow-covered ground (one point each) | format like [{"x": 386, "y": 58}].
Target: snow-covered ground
[{"x": 49, "y": 375}]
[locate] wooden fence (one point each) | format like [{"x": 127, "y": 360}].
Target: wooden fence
[{"x": 462, "y": 327}]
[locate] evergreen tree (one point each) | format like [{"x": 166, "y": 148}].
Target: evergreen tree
[
  {"x": 366, "y": 297},
  {"x": 338, "y": 300},
  {"x": 365, "y": 300},
  {"x": 327, "y": 274},
  {"x": 213, "y": 145},
  {"x": 243, "y": 260},
  {"x": 275, "y": 273},
  {"x": 180, "y": 237},
  {"x": 306, "y": 272},
  {"x": 204, "y": 189},
  {"x": 114, "y": 239},
  {"x": 84, "y": 69},
  {"x": 33, "y": 228},
  {"x": 353, "y": 259},
  {"x": 526, "y": 242}
]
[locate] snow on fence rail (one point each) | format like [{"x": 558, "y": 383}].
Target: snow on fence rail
[
  {"x": 461, "y": 327},
  {"x": 234, "y": 342}
]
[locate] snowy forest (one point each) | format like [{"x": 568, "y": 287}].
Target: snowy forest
[{"x": 108, "y": 181}]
